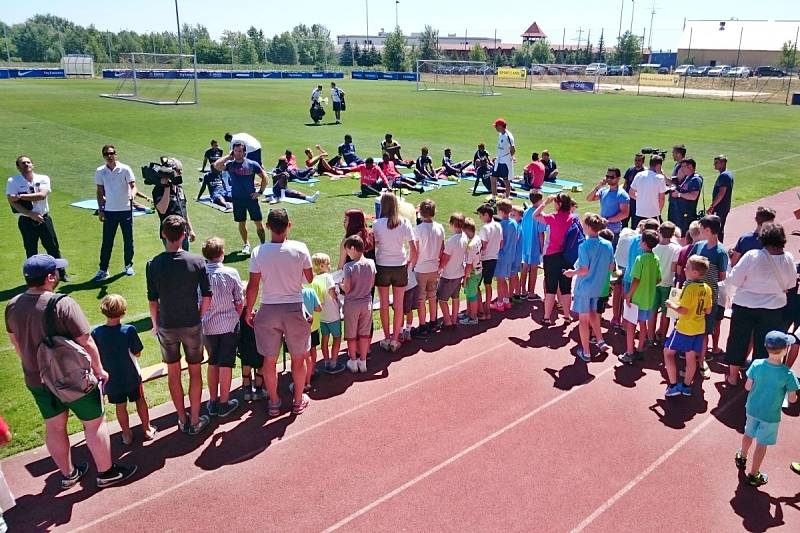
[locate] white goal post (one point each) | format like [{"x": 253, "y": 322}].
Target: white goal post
[
  {"x": 455, "y": 76},
  {"x": 160, "y": 79}
]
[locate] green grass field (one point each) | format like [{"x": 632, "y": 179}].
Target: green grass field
[{"x": 62, "y": 125}]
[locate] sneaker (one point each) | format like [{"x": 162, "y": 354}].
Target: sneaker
[
  {"x": 705, "y": 370},
  {"x": 352, "y": 366},
  {"x": 673, "y": 390},
  {"x": 259, "y": 394},
  {"x": 395, "y": 345},
  {"x": 77, "y": 473},
  {"x": 362, "y": 365},
  {"x": 247, "y": 393},
  {"x": 313, "y": 197},
  {"x": 212, "y": 407},
  {"x": 129, "y": 271},
  {"x": 385, "y": 344},
  {"x": 202, "y": 423},
  {"x": 627, "y": 358},
  {"x": 499, "y": 307},
  {"x": 127, "y": 441},
  {"x": 299, "y": 407},
  {"x": 639, "y": 356},
  {"x": 114, "y": 475},
  {"x": 467, "y": 321},
  {"x": 246, "y": 248},
  {"x": 517, "y": 297},
  {"x": 100, "y": 276},
  {"x": 183, "y": 427},
  {"x": 337, "y": 368},
  {"x": 602, "y": 346},
  {"x": 274, "y": 409},
  {"x": 756, "y": 480},
  {"x": 507, "y": 306},
  {"x": 686, "y": 390},
  {"x": 740, "y": 460},
  {"x": 150, "y": 433},
  {"x": 406, "y": 335},
  {"x": 583, "y": 356},
  {"x": 224, "y": 409},
  {"x": 421, "y": 332},
  {"x": 795, "y": 467}
]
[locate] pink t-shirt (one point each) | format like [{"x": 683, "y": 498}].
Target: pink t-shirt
[
  {"x": 389, "y": 169},
  {"x": 536, "y": 170},
  {"x": 370, "y": 175},
  {"x": 559, "y": 224}
]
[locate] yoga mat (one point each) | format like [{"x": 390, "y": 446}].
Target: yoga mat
[
  {"x": 206, "y": 201},
  {"x": 92, "y": 205}
]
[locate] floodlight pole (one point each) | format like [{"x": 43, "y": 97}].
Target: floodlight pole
[
  {"x": 621, "y": 9},
  {"x": 633, "y": 10},
  {"x": 396, "y": 17}
]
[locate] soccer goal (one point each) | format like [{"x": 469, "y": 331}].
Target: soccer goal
[
  {"x": 160, "y": 79},
  {"x": 455, "y": 76}
]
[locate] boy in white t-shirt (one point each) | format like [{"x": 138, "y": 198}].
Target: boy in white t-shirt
[
  {"x": 430, "y": 242},
  {"x": 331, "y": 316},
  {"x": 666, "y": 251},
  {"x": 491, "y": 236},
  {"x": 473, "y": 274},
  {"x": 452, "y": 271}
]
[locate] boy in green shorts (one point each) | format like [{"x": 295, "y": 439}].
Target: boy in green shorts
[
  {"x": 645, "y": 275},
  {"x": 473, "y": 274}
]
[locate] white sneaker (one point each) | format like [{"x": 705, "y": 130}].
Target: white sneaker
[
  {"x": 246, "y": 248},
  {"x": 384, "y": 344},
  {"x": 100, "y": 276},
  {"x": 129, "y": 271},
  {"x": 362, "y": 365},
  {"x": 352, "y": 366},
  {"x": 313, "y": 197}
]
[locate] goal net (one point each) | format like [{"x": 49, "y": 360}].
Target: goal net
[
  {"x": 161, "y": 79},
  {"x": 455, "y": 76}
]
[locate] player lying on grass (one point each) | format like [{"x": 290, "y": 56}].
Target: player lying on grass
[{"x": 280, "y": 185}]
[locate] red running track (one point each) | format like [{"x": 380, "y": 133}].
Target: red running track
[{"x": 497, "y": 427}]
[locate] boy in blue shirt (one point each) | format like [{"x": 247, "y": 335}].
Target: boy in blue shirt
[
  {"x": 119, "y": 346},
  {"x": 505, "y": 258},
  {"x": 532, "y": 244},
  {"x": 769, "y": 381},
  {"x": 515, "y": 287},
  {"x": 595, "y": 260}
]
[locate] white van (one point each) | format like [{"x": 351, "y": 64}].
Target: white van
[{"x": 596, "y": 69}]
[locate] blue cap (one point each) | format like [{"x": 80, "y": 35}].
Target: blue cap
[
  {"x": 777, "y": 340},
  {"x": 39, "y": 265}
]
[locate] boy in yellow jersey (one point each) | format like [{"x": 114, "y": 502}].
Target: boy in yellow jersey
[{"x": 688, "y": 335}]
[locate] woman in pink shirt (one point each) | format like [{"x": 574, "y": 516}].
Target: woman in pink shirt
[
  {"x": 373, "y": 180},
  {"x": 555, "y": 282}
]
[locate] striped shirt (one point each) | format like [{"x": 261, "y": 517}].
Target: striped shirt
[{"x": 226, "y": 286}]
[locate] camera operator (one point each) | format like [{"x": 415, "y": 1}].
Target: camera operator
[{"x": 170, "y": 199}]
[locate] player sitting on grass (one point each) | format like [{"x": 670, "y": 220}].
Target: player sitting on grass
[
  {"x": 120, "y": 347},
  {"x": 392, "y": 147},
  {"x": 473, "y": 274},
  {"x": 395, "y": 179},
  {"x": 645, "y": 275},
  {"x": 372, "y": 180},
  {"x": 423, "y": 168},
  {"x": 218, "y": 189},
  {"x": 280, "y": 185},
  {"x": 347, "y": 151},
  {"x": 359, "y": 279},
  {"x": 322, "y": 166},
  {"x": 595, "y": 260},
  {"x": 533, "y": 175},
  {"x": 449, "y": 168},
  {"x": 688, "y": 335},
  {"x": 451, "y": 268},
  {"x": 769, "y": 381}
]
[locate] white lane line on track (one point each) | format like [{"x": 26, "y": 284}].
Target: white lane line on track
[
  {"x": 248, "y": 455},
  {"x": 447, "y": 462},
  {"x": 653, "y": 466}
]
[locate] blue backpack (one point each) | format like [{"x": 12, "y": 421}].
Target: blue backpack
[{"x": 572, "y": 240}]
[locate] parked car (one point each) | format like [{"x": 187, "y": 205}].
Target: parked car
[
  {"x": 537, "y": 70},
  {"x": 553, "y": 71},
  {"x": 769, "y": 71},
  {"x": 738, "y": 72},
  {"x": 698, "y": 72},
  {"x": 681, "y": 70},
  {"x": 663, "y": 70},
  {"x": 599, "y": 69},
  {"x": 573, "y": 70},
  {"x": 718, "y": 71},
  {"x": 485, "y": 70},
  {"x": 620, "y": 70}
]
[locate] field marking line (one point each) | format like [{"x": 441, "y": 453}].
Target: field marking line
[
  {"x": 447, "y": 462},
  {"x": 768, "y": 162},
  {"x": 248, "y": 455},
  {"x": 605, "y": 506}
]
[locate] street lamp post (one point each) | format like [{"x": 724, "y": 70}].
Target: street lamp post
[
  {"x": 633, "y": 10},
  {"x": 396, "y": 17}
]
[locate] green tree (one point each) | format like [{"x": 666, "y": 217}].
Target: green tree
[
  {"x": 346, "y": 55},
  {"x": 357, "y": 54},
  {"x": 283, "y": 50},
  {"x": 541, "y": 52},
  {"x": 477, "y": 53},
  {"x": 600, "y": 56},
  {"x": 522, "y": 56},
  {"x": 375, "y": 57},
  {"x": 429, "y": 43},
  {"x": 394, "y": 51},
  {"x": 628, "y": 50},
  {"x": 789, "y": 55},
  {"x": 257, "y": 39}
]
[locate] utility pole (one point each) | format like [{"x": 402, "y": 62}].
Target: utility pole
[
  {"x": 650, "y": 35},
  {"x": 366, "y": 3},
  {"x": 396, "y": 17},
  {"x": 621, "y": 9},
  {"x": 180, "y": 43},
  {"x": 8, "y": 50},
  {"x": 633, "y": 10}
]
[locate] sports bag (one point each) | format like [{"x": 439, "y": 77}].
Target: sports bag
[
  {"x": 65, "y": 367},
  {"x": 572, "y": 240}
]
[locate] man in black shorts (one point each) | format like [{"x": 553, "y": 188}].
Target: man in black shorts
[
  {"x": 242, "y": 173},
  {"x": 504, "y": 161}
]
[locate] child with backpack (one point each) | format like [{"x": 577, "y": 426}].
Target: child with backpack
[
  {"x": 120, "y": 347},
  {"x": 560, "y": 254}
]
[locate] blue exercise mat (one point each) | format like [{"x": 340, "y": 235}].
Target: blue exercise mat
[
  {"x": 206, "y": 201},
  {"x": 444, "y": 183},
  {"x": 92, "y": 206},
  {"x": 568, "y": 183},
  {"x": 309, "y": 181}
]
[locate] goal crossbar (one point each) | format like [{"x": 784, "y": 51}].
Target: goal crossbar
[
  {"x": 158, "y": 79},
  {"x": 455, "y": 76}
]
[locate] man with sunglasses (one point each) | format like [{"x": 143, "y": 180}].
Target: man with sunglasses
[
  {"x": 614, "y": 201},
  {"x": 27, "y": 194},
  {"x": 116, "y": 188}
]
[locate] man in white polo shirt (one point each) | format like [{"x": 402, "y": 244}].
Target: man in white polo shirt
[
  {"x": 504, "y": 162},
  {"x": 27, "y": 194},
  {"x": 251, "y": 145},
  {"x": 648, "y": 188},
  {"x": 116, "y": 187}
]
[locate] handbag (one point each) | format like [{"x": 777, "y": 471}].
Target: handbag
[{"x": 65, "y": 367}]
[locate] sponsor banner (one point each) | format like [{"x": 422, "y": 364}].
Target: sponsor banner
[
  {"x": 4, "y": 74},
  {"x": 213, "y": 74},
  {"x": 511, "y": 73},
  {"x": 33, "y": 73},
  {"x": 574, "y": 85},
  {"x": 665, "y": 80},
  {"x": 393, "y": 76}
]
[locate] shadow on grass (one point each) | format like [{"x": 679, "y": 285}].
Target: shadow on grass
[{"x": 103, "y": 286}]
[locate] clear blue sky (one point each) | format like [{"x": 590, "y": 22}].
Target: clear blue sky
[{"x": 509, "y": 17}]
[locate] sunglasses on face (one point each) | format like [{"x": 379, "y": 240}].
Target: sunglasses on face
[
  {"x": 610, "y": 177},
  {"x": 107, "y": 154}
]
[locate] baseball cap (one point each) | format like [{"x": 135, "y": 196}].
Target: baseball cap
[
  {"x": 777, "y": 340},
  {"x": 500, "y": 122},
  {"x": 39, "y": 265}
]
